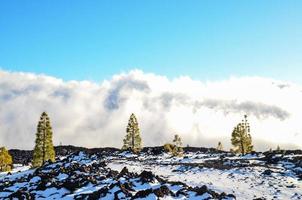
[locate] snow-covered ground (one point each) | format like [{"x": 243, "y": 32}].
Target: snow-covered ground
[
  {"x": 194, "y": 176},
  {"x": 244, "y": 182}
]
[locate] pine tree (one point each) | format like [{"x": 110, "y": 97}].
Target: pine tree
[
  {"x": 178, "y": 145},
  {"x": 278, "y": 148},
  {"x": 133, "y": 139},
  {"x": 176, "y": 148},
  {"x": 6, "y": 160},
  {"x": 44, "y": 150},
  {"x": 219, "y": 146},
  {"x": 241, "y": 137}
]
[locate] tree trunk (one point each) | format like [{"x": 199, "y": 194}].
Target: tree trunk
[
  {"x": 44, "y": 135},
  {"x": 241, "y": 141},
  {"x": 132, "y": 136}
]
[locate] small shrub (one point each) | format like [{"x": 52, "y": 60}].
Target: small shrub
[{"x": 6, "y": 160}]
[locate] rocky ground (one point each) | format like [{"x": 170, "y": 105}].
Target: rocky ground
[{"x": 200, "y": 174}]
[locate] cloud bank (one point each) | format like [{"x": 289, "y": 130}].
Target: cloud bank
[{"x": 88, "y": 114}]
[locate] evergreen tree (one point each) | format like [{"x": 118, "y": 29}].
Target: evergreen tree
[
  {"x": 241, "y": 137},
  {"x": 177, "y": 140},
  {"x": 6, "y": 160},
  {"x": 133, "y": 139},
  {"x": 176, "y": 148},
  {"x": 44, "y": 149},
  {"x": 278, "y": 148},
  {"x": 219, "y": 146},
  {"x": 178, "y": 144}
]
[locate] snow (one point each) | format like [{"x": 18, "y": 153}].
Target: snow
[
  {"x": 52, "y": 193},
  {"x": 244, "y": 176},
  {"x": 35, "y": 179},
  {"x": 18, "y": 170},
  {"x": 150, "y": 197},
  {"x": 16, "y": 186},
  {"x": 62, "y": 176},
  {"x": 87, "y": 189},
  {"x": 244, "y": 183}
]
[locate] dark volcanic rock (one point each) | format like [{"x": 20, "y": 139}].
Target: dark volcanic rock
[
  {"x": 200, "y": 190},
  {"x": 20, "y": 194},
  {"x": 24, "y": 157},
  {"x": 163, "y": 191},
  {"x": 72, "y": 185},
  {"x": 125, "y": 173},
  {"x": 153, "y": 150},
  {"x": 272, "y": 158},
  {"x": 201, "y": 149},
  {"x": 142, "y": 194},
  {"x": 147, "y": 176},
  {"x": 267, "y": 172},
  {"x": 21, "y": 156},
  {"x": 87, "y": 176}
]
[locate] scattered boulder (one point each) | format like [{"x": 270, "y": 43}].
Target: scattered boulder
[
  {"x": 163, "y": 191},
  {"x": 79, "y": 169},
  {"x": 267, "y": 172},
  {"x": 142, "y": 194},
  {"x": 124, "y": 172},
  {"x": 147, "y": 176},
  {"x": 200, "y": 190},
  {"x": 72, "y": 185}
]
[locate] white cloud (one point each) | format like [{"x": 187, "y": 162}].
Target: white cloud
[{"x": 88, "y": 114}]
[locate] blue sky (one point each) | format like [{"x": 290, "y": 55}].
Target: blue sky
[{"x": 206, "y": 40}]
